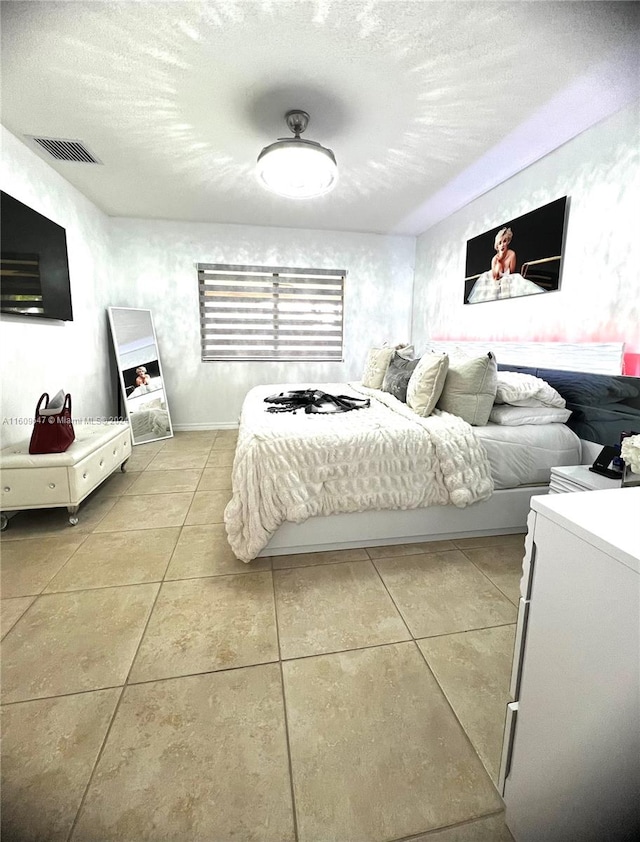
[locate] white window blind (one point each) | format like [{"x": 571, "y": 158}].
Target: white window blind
[{"x": 269, "y": 313}]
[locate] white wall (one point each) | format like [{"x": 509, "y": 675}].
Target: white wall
[
  {"x": 599, "y": 296},
  {"x": 40, "y": 355},
  {"x": 154, "y": 266},
  {"x": 142, "y": 263}
]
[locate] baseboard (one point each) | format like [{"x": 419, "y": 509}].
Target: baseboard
[{"x": 194, "y": 428}]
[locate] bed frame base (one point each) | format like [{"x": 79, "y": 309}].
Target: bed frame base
[{"x": 504, "y": 513}]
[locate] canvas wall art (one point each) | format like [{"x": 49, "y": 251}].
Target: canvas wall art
[{"x": 521, "y": 256}]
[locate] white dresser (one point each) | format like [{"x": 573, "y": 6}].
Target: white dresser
[{"x": 571, "y": 755}]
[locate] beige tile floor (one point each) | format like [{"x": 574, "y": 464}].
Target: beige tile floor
[{"x": 155, "y": 688}]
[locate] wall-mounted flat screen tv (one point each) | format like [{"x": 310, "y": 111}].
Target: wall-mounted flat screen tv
[{"x": 34, "y": 266}]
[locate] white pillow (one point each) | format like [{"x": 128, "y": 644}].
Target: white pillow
[
  {"x": 407, "y": 352},
  {"x": 426, "y": 383},
  {"x": 515, "y": 416},
  {"x": 376, "y": 367},
  {"x": 520, "y": 389}
]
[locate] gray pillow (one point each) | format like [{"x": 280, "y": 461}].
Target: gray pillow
[
  {"x": 470, "y": 388},
  {"x": 397, "y": 377}
]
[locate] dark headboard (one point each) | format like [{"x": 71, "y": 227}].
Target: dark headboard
[{"x": 602, "y": 406}]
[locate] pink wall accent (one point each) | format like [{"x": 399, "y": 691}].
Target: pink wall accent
[
  {"x": 599, "y": 295},
  {"x": 631, "y": 365}
]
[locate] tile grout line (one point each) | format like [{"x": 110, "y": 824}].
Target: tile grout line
[
  {"x": 284, "y": 709},
  {"x": 112, "y": 720},
  {"x": 465, "y": 631},
  {"x": 161, "y": 580},
  {"x": 123, "y": 585},
  {"x": 486, "y": 575},
  {"x": 143, "y": 682},
  {"x": 418, "y": 837},
  {"x": 199, "y": 673},
  {"x": 457, "y": 718},
  {"x": 61, "y": 695},
  {"x": 40, "y": 593},
  {"x": 212, "y": 672},
  {"x": 262, "y": 663},
  {"x": 257, "y": 663},
  {"x": 171, "y": 554},
  {"x": 388, "y": 592},
  {"x": 348, "y": 560},
  {"x": 441, "y": 688},
  {"x": 17, "y": 620}
]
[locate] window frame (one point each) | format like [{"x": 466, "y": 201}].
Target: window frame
[{"x": 326, "y": 284}]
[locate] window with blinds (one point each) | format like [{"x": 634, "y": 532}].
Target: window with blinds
[{"x": 269, "y": 313}]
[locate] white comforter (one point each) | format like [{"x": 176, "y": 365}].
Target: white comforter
[{"x": 289, "y": 467}]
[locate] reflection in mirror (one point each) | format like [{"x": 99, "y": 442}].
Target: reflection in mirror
[{"x": 141, "y": 381}]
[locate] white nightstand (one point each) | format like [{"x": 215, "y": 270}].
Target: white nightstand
[{"x": 579, "y": 478}]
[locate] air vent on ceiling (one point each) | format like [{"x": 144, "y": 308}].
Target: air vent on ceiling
[{"x": 65, "y": 150}]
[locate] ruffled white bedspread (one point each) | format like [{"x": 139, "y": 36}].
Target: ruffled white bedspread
[{"x": 289, "y": 467}]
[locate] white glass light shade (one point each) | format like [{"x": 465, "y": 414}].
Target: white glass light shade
[{"x": 299, "y": 169}]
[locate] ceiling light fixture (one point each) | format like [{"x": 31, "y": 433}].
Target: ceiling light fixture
[{"x": 297, "y": 168}]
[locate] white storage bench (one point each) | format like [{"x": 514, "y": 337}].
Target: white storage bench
[{"x": 43, "y": 481}]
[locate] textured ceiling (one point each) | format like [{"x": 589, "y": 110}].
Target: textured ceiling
[{"x": 425, "y": 104}]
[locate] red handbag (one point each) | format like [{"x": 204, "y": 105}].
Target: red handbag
[{"x": 53, "y": 431}]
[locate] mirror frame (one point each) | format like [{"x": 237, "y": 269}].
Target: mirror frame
[{"x": 123, "y": 388}]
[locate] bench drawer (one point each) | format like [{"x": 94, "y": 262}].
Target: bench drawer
[
  {"x": 95, "y": 468},
  {"x": 32, "y": 488}
]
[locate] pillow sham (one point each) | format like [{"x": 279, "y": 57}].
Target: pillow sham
[
  {"x": 426, "y": 383},
  {"x": 407, "y": 352},
  {"x": 519, "y": 389},
  {"x": 470, "y": 388},
  {"x": 515, "y": 416},
  {"x": 398, "y": 375},
  {"x": 376, "y": 366}
]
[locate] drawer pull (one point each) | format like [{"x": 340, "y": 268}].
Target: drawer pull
[
  {"x": 84, "y": 476},
  {"x": 519, "y": 646},
  {"x": 7, "y": 488},
  {"x": 101, "y": 462},
  {"x": 507, "y": 745},
  {"x": 52, "y": 485},
  {"x": 115, "y": 450}
]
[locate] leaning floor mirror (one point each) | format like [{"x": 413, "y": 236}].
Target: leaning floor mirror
[{"x": 141, "y": 381}]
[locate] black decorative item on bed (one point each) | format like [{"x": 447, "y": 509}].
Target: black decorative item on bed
[
  {"x": 602, "y": 406},
  {"x": 314, "y": 400}
]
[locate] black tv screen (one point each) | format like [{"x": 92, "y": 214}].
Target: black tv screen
[{"x": 34, "y": 269}]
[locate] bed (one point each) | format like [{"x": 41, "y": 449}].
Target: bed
[
  {"x": 380, "y": 475},
  {"x": 148, "y": 412},
  {"x": 152, "y": 422}
]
